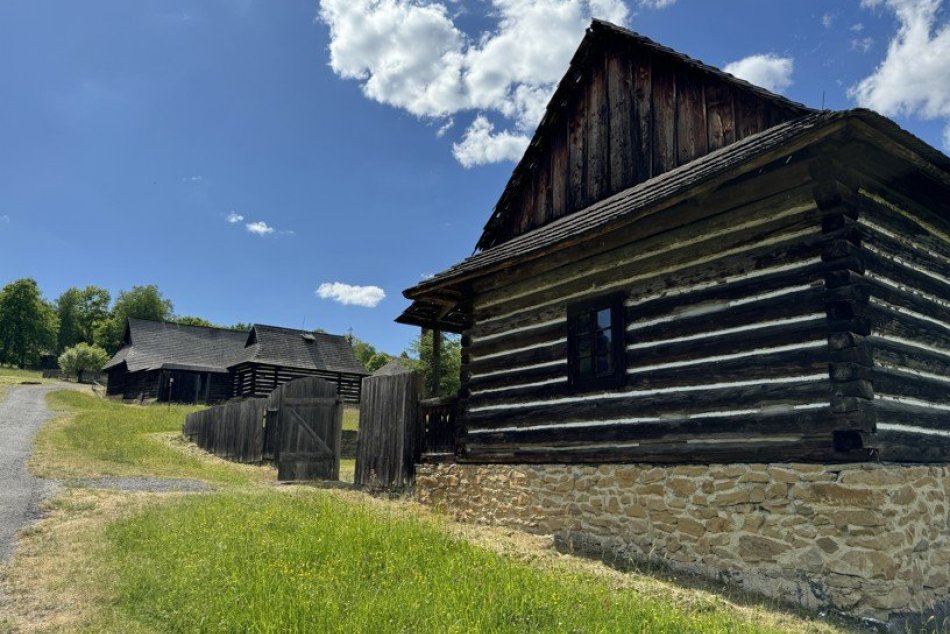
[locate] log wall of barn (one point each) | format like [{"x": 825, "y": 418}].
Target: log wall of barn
[
  {"x": 906, "y": 253},
  {"x": 734, "y": 347},
  {"x": 640, "y": 113},
  {"x": 254, "y": 379}
]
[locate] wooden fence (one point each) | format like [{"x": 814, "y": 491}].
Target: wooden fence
[
  {"x": 234, "y": 431},
  {"x": 389, "y": 440},
  {"x": 297, "y": 427}
]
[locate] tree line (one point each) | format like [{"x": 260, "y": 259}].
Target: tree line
[{"x": 89, "y": 324}]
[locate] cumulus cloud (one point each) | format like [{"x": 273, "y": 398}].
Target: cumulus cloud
[
  {"x": 193, "y": 179},
  {"x": 657, "y": 4},
  {"x": 349, "y": 295},
  {"x": 482, "y": 145},
  {"x": 914, "y": 78},
  {"x": 768, "y": 71},
  {"x": 235, "y": 217},
  {"x": 412, "y": 55},
  {"x": 259, "y": 228},
  {"x": 827, "y": 20}
]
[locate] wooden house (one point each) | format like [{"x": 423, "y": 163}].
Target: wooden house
[
  {"x": 685, "y": 267},
  {"x": 191, "y": 364},
  {"x": 174, "y": 362},
  {"x": 274, "y": 356}
]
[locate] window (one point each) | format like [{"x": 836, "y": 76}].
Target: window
[{"x": 595, "y": 345}]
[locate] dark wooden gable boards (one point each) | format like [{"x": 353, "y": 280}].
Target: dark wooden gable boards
[{"x": 626, "y": 111}]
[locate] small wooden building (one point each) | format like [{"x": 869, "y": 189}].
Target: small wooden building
[
  {"x": 685, "y": 267},
  {"x": 191, "y": 364},
  {"x": 174, "y": 362},
  {"x": 273, "y": 356}
]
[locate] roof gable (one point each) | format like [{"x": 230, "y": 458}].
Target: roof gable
[{"x": 626, "y": 111}]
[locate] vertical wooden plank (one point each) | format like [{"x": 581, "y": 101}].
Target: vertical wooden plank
[
  {"x": 750, "y": 116},
  {"x": 542, "y": 195},
  {"x": 664, "y": 117},
  {"x": 720, "y": 117},
  {"x": 577, "y": 155},
  {"x": 598, "y": 142},
  {"x": 559, "y": 171},
  {"x": 620, "y": 95},
  {"x": 643, "y": 127},
  {"x": 690, "y": 117}
]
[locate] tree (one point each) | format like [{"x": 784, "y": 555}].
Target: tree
[
  {"x": 79, "y": 311},
  {"x": 450, "y": 365},
  {"x": 81, "y": 357},
  {"x": 28, "y": 324},
  {"x": 140, "y": 302},
  {"x": 241, "y": 326},
  {"x": 187, "y": 320},
  {"x": 378, "y": 360}
]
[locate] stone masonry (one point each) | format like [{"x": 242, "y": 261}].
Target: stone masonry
[{"x": 872, "y": 540}]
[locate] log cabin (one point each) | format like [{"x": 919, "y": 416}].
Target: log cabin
[
  {"x": 191, "y": 364},
  {"x": 685, "y": 267}
]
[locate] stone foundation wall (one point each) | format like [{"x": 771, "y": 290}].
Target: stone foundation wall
[{"x": 872, "y": 540}]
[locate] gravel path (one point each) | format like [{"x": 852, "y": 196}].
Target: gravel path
[{"x": 22, "y": 413}]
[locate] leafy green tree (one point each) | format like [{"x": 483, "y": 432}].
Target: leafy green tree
[
  {"x": 378, "y": 360},
  {"x": 187, "y": 320},
  {"x": 420, "y": 349},
  {"x": 139, "y": 302},
  {"x": 28, "y": 324},
  {"x": 79, "y": 311},
  {"x": 241, "y": 326},
  {"x": 81, "y": 357}
]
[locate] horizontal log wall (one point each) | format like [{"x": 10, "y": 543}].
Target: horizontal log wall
[
  {"x": 728, "y": 339},
  {"x": 906, "y": 248},
  {"x": 261, "y": 379},
  {"x": 632, "y": 115}
]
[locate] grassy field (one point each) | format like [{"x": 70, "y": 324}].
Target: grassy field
[
  {"x": 14, "y": 376},
  {"x": 255, "y": 556},
  {"x": 102, "y": 437},
  {"x": 351, "y": 418}
]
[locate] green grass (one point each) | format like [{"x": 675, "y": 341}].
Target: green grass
[
  {"x": 104, "y": 437},
  {"x": 15, "y": 375},
  {"x": 351, "y": 417},
  {"x": 309, "y": 562}
]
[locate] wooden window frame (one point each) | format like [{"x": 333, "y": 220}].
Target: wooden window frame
[{"x": 618, "y": 377}]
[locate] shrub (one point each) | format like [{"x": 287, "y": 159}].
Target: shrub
[{"x": 81, "y": 357}]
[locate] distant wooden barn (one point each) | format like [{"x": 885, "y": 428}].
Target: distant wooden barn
[
  {"x": 191, "y": 364},
  {"x": 274, "y": 356},
  {"x": 686, "y": 267}
]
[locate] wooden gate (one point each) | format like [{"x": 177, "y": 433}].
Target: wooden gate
[
  {"x": 388, "y": 445},
  {"x": 309, "y": 420}
]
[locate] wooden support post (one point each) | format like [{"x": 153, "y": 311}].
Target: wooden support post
[{"x": 436, "y": 361}]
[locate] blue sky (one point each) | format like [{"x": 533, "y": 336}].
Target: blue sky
[{"x": 353, "y": 143}]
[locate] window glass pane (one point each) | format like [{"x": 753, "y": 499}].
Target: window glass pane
[
  {"x": 583, "y": 323},
  {"x": 585, "y": 347},
  {"x": 603, "y": 356},
  {"x": 584, "y": 367},
  {"x": 603, "y": 318}
]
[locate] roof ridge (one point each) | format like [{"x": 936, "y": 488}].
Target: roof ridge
[{"x": 181, "y": 325}]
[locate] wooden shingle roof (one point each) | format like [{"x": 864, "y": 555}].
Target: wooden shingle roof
[
  {"x": 302, "y": 349},
  {"x": 156, "y": 345}
]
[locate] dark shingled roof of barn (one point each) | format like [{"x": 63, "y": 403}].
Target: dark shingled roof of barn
[{"x": 155, "y": 345}]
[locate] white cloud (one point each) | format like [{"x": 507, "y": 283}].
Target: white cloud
[
  {"x": 914, "y": 78},
  {"x": 235, "y": 217},
  {"x": 857, "y": 27},
  {"x": 411, "y": 54},
  {"x": 827, "y": 20},
  {"x": 481, "y": 145},
  {"x": 193, "y": 179},
  {"x": 862, "y": 44},
  {"x": 349, "y": 295},
  {"x": 5, "y": 219},
  {"x": 657, "y": 4},
  {"x": 259, "y": 228},
  {"x": 768, "y": 71}
]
